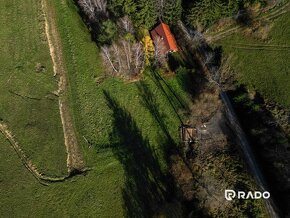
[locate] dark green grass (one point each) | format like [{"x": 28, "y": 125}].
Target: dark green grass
[
  {"x": 26, "y": 102},
  {"x": 266, "y": 70}
]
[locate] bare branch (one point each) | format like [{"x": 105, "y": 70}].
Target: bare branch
[
  {"x": 117, "y": 56},
  {"x": 160, "y": 51},
  {"x": 107, "y": 57},
  {"x": 124, "y": 58},
  {"x": 139, "y": 55},
  {"x": 126, "y": 25},
  {"x": 92, "y": 7},
  {"x": 88, "y": 8}
]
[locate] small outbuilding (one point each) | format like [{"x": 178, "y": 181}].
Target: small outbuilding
[
  {"x": 187, "y": 134},
  {"x": 162, "y": 32}
]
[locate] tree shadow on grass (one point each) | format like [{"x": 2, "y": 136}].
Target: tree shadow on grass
[
  {"x": 148, "y": 100},
  {"x": 171, "y": 95},
  {"x": 146, "y": 185}
]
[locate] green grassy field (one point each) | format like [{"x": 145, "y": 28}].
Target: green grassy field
[
  {"x": 114, "y": 115},
  {"x": 124, "y": 128},
  {"x": 264, "y": 66},
  {"x": 27, "y": 104},
  {"x": 22, "y": 196}
]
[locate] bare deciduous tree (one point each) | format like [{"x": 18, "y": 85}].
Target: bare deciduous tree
[
  {"x": 197, "y": 36},
  {"x": 208, "y": 58},
  {"x": 108, "y": 59},
  {"x": 139, "y": 57},
  {"x": 101, "y": 5},
  {"x": 88, "y": 8},
  {"x": 92, "y": 7},
  {"x": 126, "y": 25},
  {"x": 160, "y": 51},
  {"x": 117, "y": 56},
  {"x": 127, "y": 51},
  {"x": 226, "y": 74},
  {"x": 124, "y": 58}
]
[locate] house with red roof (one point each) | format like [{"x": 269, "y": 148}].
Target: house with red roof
[{"x": 162, "y": 32}]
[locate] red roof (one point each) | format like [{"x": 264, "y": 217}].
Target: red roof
[{"x": 163, "y": 31}]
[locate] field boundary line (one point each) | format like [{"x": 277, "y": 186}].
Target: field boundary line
[
  {"x": 25, "y": 160},
  {"x": 75, "y": 161},
  {"x": 258, "y": 46}
]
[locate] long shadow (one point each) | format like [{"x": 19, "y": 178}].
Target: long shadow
[
  {"x": 148, "y": 100},
  {"x": 171, "y": 92},
  {"x": 174, "y": 100},
  {"x": 166, "y": 142},
  {"x": 145, "y": 188},
  {"x": 208, "y": 61}
]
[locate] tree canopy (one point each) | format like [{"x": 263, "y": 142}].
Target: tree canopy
[
  {"x": 146, "y": 14},
  {"x": 172, "y": 11},
  {"x": 206, "y": 12}
]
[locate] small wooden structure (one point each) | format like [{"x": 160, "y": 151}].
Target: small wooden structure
[
  {"x": 163, "y": 32},
  {"x": 187, "y": 134}
]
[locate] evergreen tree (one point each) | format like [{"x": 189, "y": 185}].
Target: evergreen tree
[
  {"x": 107, "y": 32},
  {"x": 233, "y": 7},
  {"x": 129, "y": 7},
  {"x": 172, "y": 11},
  {"x": 119, "y": 8},
  {"x": 206, "y": 12},
  {"x": 146, "y": 14}
]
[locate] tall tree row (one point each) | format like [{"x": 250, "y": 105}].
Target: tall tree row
[
  {"x": 143, "y": 13},
  {"x": 146, "y": 13}
]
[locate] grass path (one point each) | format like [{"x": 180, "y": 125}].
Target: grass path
[{"x": 74, "y": 156}]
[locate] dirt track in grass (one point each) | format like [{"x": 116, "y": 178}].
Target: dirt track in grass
[
  {"x": 75, "y": 161},
  {"x": 25, "y": 160},
  {"x": 74, "y": 157}
]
